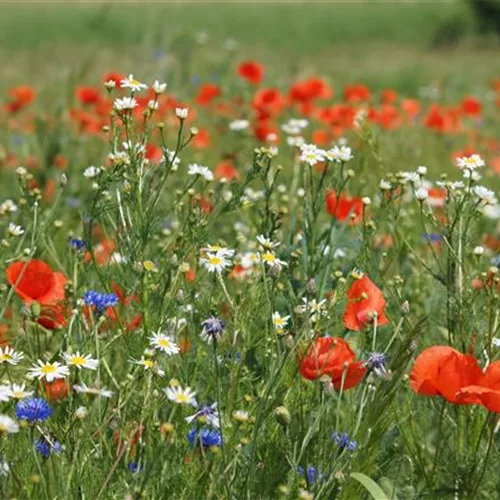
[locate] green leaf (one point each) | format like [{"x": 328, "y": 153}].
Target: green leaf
[{"x": 370, "y": 485}]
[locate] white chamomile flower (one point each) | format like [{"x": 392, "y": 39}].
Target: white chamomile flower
[
  {"x": 153, "y": 105},
  {"x": 214, "y": 262},
  {"x": 266, "y": 243},
  {"x": 311, "y": 154},
  {"x": 10, "y": 356},
  {"x": 158, "y": 87},
  {"x": 479, "y": 250},
  {"x": 470, "y": 162},
  {"x": 8, "y": 207},
  {"x": 80, "y": 360},
  {"x": 93, "y": 391},
  {"x": 340, "y": 154},
  {"x": 164, "y": 343},
  {"x": 171, "y": 157},
  {"x": 8, "y": 425},
  {"x": 91, "y": 172},
  {"x": 241, "y": 416},
  {"x": 485, "y": 195},
  {"x": 239, "y": 125},
  {"x": 219, "y": 250},
  {"x": 181, "y": 396},
  {"x": 131, "y": 83},
  {"x": 110, "y": 84},
  {"x": 314, "y": 308},
  {"x": 181, "y": 113},
  {"x": 280, "y": 322},
  {"x": 125, "y": 104},
  {"x": 21, "y": 171},
  {"x": 271, "y": 260},
  {"x": 48, "y": 371},
  {"x": 205, "y": 172},
  {"x": 421, "y": 194},
  {"x": 18, "y": 391},
  {"x": 15, "y": 230},
  {"x": 149, "y": 364}
]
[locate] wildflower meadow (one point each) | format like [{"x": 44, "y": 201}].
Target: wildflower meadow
[{"x": 237, "y": 273}]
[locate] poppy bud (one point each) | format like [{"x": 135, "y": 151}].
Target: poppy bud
[
  {"x": 282, "y": 416},
  {"x": 35, "y": 309}
]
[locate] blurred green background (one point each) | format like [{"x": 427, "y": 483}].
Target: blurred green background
[{"x": 401, "y": 44}]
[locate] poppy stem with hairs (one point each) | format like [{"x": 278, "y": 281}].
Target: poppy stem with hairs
[
  {"x": 485, "y": 462},
  {"x": 374, "y": 340}
]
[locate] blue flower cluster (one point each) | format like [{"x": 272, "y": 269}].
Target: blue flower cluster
[
  {"x": 46, "y": 448},
  {"x": 343, "y": 441},
  {"x": 77, "y": 244},
  {"x": 311, "y": 474},
  {"x": 33, "y": 410},
  {"x": 204, "y": 438},
  {"x": 101, "y": 301}
]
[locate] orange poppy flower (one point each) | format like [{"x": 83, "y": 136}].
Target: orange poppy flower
[
  {"x": 207, "y": 93},
  {"x": 356, "y": 93},
  {"x": 53, "y": 317},
  {"x": 332, "y": 357},
  {"x": 486, "y": 392},
  {"x": 344, "y": 207},
  {"x": 364, "y": 300},
  {"x": 444, "y": 371},
  {"x": 35, "y": 281},
  {"x": 88, "y": 95},
  {"x": 251, "y": 71},
  {"x": 471, "y": 107},
  {"x": 57, "y": 390}
]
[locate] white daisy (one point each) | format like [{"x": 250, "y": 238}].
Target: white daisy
[
  {"x": 164, "y": 343},
  {"x": 266, "y": 243},
  {"x": 214, "y": 262},
  {"x": 4, "y": 393},
  {"x": 181, "y": 396},
  {"x": 48, "y": 371},
  {"x": 80, "y": 360},
  {"x": 15, "y": 230},
  {"x": 158, "y": 87},
  {"x": 8, "y": 425},
  {"x": 239, "y": 125},
  {"x": 131, "y": 83},
  {"x": 205, "y": 172},
  {"x": 340, "y": 154},
  {"x": 470, "y": 162},
  {"x": 91, "y": 172},
  {"x": 271, "y": 260},
  {"x": 8, "y": 207},
  {"x": 280, "y": 322},
  {"x": 149, "y": 364},
  {"x": 10, "y": 356},
  {"x": 17, "y": 391},
  {"x": 125, "y": 104},
  {"x": 311, "y": 154}
]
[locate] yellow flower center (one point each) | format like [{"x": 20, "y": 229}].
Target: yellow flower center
[
  {"x": 78, "y": 360},
  {"x": 148, "y": 363},
  {"x": 48, "y": 369},
  {"x": 5, "y": 357},
  {"x": 215, "y": 261},
  {"x": 268, "y": 257},
  {"x": 164, "y": 343},
  {"x": 182, "y": 398}
]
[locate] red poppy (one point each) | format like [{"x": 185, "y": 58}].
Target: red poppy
[
  {"x": 56, "y": 390},
  {"x": 226, "y": 170},
  {"x": 364, "y": 301},
  {"x": 388, "y": 96},
  {"x": 53, "y": 317},
  {"x": 88, "y": 95},
  {"x": 251, "y": 71},
  {"x": 102, "y": 252},
  {"x": 268, "y": 103},
  {"x": 35, "y": 281},
  {"x": 356, "y": 93},
  {"x": 443, "y": 371},
  {"x": 344, "y": 207},
  {"x": 310, "y": 90},
  {"x": 21, "y": 96},
  {"x": 207, "y": 93},
  {"x": 487, "y": 390},
  {"x": 471, "y": 107},
  {"x": 437, "y": 197},
  {"x": 332, "y": 357},
  {"x": 202, "y": 139}
]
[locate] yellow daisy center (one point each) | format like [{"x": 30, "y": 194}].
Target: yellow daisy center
[{"x": 47, "y": 369}]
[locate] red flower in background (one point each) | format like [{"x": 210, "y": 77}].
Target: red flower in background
[
  {"x": 20, "y": 97},
  {"x": 56, "y": 390},
  {"x": 443, "y": 371},
  {"x": 486, "y": 392},
  {"x": 364, "y": 301},
  {"x": 356, "y": 93},
  {"x": 114, "y": 77},
  {"x": 471, "y": 107},
  {"x": 88, "y": 95},
  {"x": 332, "y": 357},
  {"x": 226, "y": 170},
  {"x": 310, "y": 90},
  {"x": 251, "y": 71},
  {"x": 207, "y": 93},
  {"x": 268, "y": 103},
  {"x": 344, "y": 207},
  {"x": 35, "y": 281}
]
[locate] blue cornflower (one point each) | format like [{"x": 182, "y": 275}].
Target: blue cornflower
[
  {"x": 101, "y": 301},
  {"x": 207, "y": 412},
  {"x": 78, "y": 244},
  {"x": 46, "y": 448},
  {"x": 204, "y": 438},
  {"x": 33, "y": 410},
  {"x": 343, "y": 441},
  {"x": 311, "y": 474},
  {"x": 212, "y": 329},
  {"x": 433, "y": 237},
  {"x": 134, "y": 467},
  {"x": 377, "y": 363}
]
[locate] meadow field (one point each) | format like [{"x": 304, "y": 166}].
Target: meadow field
[{"x": 249, "y": 251}]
